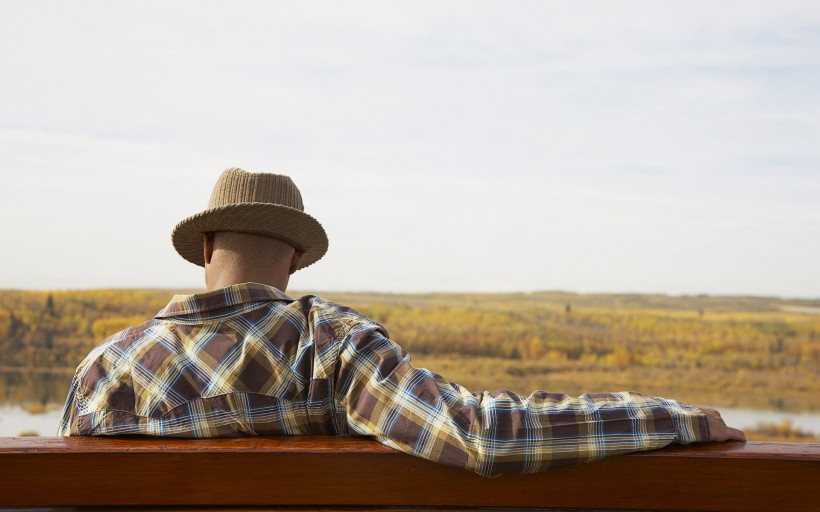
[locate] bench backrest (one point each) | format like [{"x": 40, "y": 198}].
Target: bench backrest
[{"x": 358, "y": 472}]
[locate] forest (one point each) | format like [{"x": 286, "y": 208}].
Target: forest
[{"x": 748, "y": 352}]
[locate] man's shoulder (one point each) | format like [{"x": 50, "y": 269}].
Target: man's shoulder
[
  {"x": 313, "y": 308},
  {"x": 319, "y": 311},
  {"x": 121, "y": 340},
  {"x": 323, "y": 319}
]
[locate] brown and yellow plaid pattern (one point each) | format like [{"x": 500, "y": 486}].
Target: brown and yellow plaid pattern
[{"x": 249, "y": 360}]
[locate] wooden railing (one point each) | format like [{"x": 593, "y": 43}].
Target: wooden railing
[{"x": 332, "y": 472}]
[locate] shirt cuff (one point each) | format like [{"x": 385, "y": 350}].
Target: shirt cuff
[{"x": 690, "y": 422}]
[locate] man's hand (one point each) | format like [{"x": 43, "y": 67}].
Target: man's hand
[{"x": 718, "y": 431}]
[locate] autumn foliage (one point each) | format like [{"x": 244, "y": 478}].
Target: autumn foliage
[{"x": 731, "y": 351}]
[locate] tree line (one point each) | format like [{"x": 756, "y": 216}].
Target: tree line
[{"x": 57, "y": 329}]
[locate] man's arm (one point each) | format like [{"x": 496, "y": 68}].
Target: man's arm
[{"x": 421, "y": 413}]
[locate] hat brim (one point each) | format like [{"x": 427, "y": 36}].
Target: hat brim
[{"x": 287, "y": 224}]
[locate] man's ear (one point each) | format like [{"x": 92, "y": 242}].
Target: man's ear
[
  {"x": 294, "y": 262},
  {"x": 207, "y": 246}
]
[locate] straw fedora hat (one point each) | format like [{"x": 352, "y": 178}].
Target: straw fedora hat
[{"x": 253, "y": 202}]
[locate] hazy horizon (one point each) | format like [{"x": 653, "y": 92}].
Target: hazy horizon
[{"x": 295, "y": 291}]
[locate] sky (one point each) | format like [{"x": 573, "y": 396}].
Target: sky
[{"x": 647, "y": 147}]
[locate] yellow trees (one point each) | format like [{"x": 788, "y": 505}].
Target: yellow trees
[
  {"x": 105, "y": 327},
  {"x": 656, "y": 343}
]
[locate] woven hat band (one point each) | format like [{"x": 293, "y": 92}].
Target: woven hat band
[{"x": 237, "y": 186}]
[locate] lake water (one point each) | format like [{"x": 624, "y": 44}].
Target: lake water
[
  {"x": 14, "y": 420},
  {"x": 44, "y": 394},
  {"x": 748, "y": 418},
  {"x": 24, "y": 393}
]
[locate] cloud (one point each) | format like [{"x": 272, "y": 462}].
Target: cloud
[{"x": 645, "y": 146}]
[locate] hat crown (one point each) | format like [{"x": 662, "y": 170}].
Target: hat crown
[{"x": 237, "y": 186}]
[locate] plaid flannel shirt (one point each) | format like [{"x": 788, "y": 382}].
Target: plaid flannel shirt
[{"x": 249, "y": 360}]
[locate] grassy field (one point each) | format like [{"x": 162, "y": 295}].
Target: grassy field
[{"x": 748, "y": 352}]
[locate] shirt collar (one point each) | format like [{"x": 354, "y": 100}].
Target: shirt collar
[{"x": 233, "y": 295}]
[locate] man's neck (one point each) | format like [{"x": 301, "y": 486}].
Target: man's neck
[{"x": 225, "y": 279}]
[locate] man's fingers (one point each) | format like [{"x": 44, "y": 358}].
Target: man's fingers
[
  {"x": 735, "y": 434},
  {"x": 718, "y": 430}
]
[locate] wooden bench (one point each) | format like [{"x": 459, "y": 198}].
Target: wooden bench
[{"x": 335, "y": 473}]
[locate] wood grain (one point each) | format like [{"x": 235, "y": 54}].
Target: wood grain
[{"x": 344, "y": 472}]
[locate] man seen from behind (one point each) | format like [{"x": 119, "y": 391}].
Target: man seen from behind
[{"x": 244, "y": 359}]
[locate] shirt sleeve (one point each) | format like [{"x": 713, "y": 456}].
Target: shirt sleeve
[
  {"x": 421, "y": 413},
  {"x": 68, "y": 422}
]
